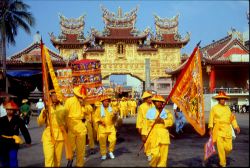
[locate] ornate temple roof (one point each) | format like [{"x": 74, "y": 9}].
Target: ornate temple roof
[
  {"x": 167, "y": 32},
  {"x": 119, "y": 27},
  {"x": 113, "y": 34},
  {"x": 123, "y": 21},
  {"x": 32, "y": 54},
  {"x": 228, "y": 50},
  {"x": 71, "y": 32}
]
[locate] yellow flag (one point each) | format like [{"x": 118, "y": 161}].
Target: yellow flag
[
  {"x": 188, "y": 92},
  {"x": 52, "y": 74}
]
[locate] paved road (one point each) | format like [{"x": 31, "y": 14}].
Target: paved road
[{"x": 186, "y": 150}]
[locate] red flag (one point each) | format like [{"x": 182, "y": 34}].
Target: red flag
[{"x": 209, "y": 148}]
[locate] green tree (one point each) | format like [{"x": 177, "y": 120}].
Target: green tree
[{"x": 13, "y": 15}]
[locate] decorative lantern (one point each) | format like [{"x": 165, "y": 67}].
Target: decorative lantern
[{"x": 87, "y": 72}]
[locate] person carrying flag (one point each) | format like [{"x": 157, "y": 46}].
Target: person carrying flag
[
  {"x": 220, "y": 125},
  {"x": 158, "y": 137},
  {"x": 52, "y": 137}
]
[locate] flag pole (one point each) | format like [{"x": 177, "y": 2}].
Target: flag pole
[
  {"x": 171, "y": 93},
  {"x": 46, "y": 90},
  {"x": 46, "y": 61}
]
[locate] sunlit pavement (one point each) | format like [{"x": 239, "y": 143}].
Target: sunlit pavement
[{"x": 186, "y": 149}]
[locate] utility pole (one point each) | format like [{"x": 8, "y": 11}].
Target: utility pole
[{"x": 147, "y": 74}]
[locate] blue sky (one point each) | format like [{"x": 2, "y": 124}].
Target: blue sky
[{"x": 205, "y": 20}]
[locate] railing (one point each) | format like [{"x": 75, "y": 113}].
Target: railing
[{"x": 227, "y": 90}]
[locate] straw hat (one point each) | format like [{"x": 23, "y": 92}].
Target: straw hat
[
  {"x": 104, "y": 97},
  {"x": 11, "y": 106},
  {"x": 158, "y": 98},
  {"x": 24, "y": 100},
  {"x": 146, "y": 94},
  {"x": 221, "y": 95},
  {"x": 80, "y": 91}
]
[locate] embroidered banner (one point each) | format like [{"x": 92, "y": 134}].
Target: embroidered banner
[{"x": 187, "y": 93}]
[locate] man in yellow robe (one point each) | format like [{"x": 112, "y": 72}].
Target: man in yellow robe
[
  {"x": 106, "y": 117},
  {"x": 221, "y": 121},
  {"x": 95, "y": 125},
  {"x": 159, "y": 136},
  {"x": 123, "y": 107},
  {"x": 53, "y": 137},
  {"x": 76, "y": 123},
  {"x": 141, "y": 118},
  {"x": 89, "y": 124},
  {"x": 133, "y": 105}
]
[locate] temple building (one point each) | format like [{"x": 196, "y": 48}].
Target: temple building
[
  {"x": 145, "y": 55},
  {"x": 225, "y": 66},
  {"x": 123, "y": 49},
  {"x": 24, "y": 69}
]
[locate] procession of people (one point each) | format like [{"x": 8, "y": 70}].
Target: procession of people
[{"x": 68, "y": 124}]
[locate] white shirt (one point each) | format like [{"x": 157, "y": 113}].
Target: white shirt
[
  {"x": 39, "y": 105},
  {"x": 2, "y": 111},
  {"x": 175, "y": 106}
]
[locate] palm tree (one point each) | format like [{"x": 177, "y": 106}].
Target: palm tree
[{"x": 13, "y": 14}]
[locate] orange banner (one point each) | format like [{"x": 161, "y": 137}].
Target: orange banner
[{"x": 188, "y": 93}]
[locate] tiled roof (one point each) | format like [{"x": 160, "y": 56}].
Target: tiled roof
[
  {"x": 169, "y": 39},
  {"x": 230, "y": 45},
  {"x": 31, "y": 47},
  {"x": 217, "y": 53},
  {"x": 70, "y": 39},
  {"x": 121, "y": 34},
  {"x": 94, "y": 49},
  {"x": 146, "y": 49},
  {"x": 33, "y": 50},
  {"x": 216, "y": 49},
  {"x": 18, "y": 62},
  {"x": 216, "y": 46}
]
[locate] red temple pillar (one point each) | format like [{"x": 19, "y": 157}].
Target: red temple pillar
[{"x": 212, "y": 80}]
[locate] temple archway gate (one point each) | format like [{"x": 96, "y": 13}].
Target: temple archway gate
[
  {"x": 120, "y": 46},
  {"x": 133, "y": 61}
]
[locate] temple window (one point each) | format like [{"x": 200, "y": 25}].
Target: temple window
[{"x": 120, "y": 49}]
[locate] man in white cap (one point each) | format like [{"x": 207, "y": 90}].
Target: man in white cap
[
  {"x": 39, "y": 106},
  {"x": 221, "y": 121}
]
